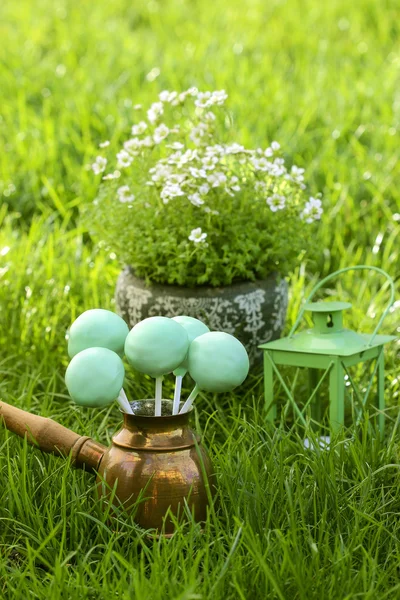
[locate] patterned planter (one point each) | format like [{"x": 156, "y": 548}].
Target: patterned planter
[{"x": 254, "y": 312}]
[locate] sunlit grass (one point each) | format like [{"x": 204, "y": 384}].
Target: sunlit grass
[{"x": 287, "y": 522}]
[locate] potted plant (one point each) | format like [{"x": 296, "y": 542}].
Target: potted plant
[{"x": 205, "y": 226}]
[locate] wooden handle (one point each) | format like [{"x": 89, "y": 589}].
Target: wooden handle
[{"x": 52, "y": 437}]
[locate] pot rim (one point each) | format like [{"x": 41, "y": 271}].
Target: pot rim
[
  {"x": 272, "y": 278},
  {"x": 150, "y": 402},
  {"x": 156, "y": 434}
]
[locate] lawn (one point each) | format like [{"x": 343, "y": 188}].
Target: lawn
[{"x": 323, "y": 80}]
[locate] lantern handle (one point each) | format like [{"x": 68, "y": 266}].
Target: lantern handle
[{"x": 339, "y": 272}]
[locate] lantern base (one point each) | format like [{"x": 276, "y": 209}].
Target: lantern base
[{"x": 335, "y": 369}]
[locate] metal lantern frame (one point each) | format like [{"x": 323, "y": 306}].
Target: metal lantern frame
[{"x": 334, "y": 362}]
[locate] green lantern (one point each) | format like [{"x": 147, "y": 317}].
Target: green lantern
[{"x": 328, "y": 350}]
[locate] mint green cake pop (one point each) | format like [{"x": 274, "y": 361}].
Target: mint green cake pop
[
  {"x": 97, "y": 328},
  {"x": 218, "y": 362},
  {"x": 194, "y": 328},
  {"x": 95, "y": 377},
  {"x": 156, "y": 346}
]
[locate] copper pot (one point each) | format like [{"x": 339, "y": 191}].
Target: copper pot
[
  {"x": 159, "y": 460},
  {"x": 157, "y": 464}
]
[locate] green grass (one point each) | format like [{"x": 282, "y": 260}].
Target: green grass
[{"x": 323, "y": 80}]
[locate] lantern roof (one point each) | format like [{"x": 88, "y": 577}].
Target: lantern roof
[
  {"x": 341, "y": 343},
  {"x": 328, "y": 336},
  {"x": 326, "y": 307}
]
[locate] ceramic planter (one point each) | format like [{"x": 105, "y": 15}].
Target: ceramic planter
[{"x": 254, "y": 312}]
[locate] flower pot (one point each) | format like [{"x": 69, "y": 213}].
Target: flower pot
[{"x": 254, "y": 312}]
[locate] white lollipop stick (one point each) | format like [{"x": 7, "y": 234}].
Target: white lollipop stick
[
  {"x": 124, "y": 403},
  {"x": 194, "y": 393},
  {"x": 177, "y": 394},
  {"x": 159, "y": 381}
]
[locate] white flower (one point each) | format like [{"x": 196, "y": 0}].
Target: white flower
[
  {"x": 234, "y": 149},
  {"x": 181, "y": 98},
  {"x": 268, "y": 152},
  {"x": 297, "y": 174},
  {"x": 171, "y": 190},
  {"x": 278, "y": 171},
  {"x": 104, "y": 144},
  {"x": 139, "y": 128},
  {"x": 172, "y": 97},
  {"x": 147, "y": 141},
  {"x": 260, "y": 185},
  {"x": 277, "y": 168},
  {"x": 197, "y": 236},
  {"x": 261, "y": 164},
  {"x": 312, "y": 210},
  {"x": 175, "y": 158},
  {"x": 209, "y": 116},
  {"x": 176, "y": 178},
  {"x": 216, "y": 179},
  {"x": 215, "y": 150},
  {"x": 204, "y": 189},
  {"x": 124, "y": 194},
  {"x": 198, "y": 133},
  {"x": 114, "y": 175},
  {"x": 195, "y": 199},
  {"x": 160, "y": 171},
  {"x": 160, "y": 133},
  {"x": 203, "y": 100},
  {"x": 99, "y": 165},
  {"x": 137, "y": 107},
  {"x": 275, "y": 146},
  {"x": 155, "y": 111},
  {"x": 180, "y": 160},
  {"x": 276, "y": 202},
  {"x": 183, "y": 95},
  {"x": 124, "y": 159},
  {"x": 233, "y": 184},
  {"x": 207, "y": 209},
  {"x": 206, "y": 99},
  {"x": 219, "y": 97},
  {"x": 175, "y": 146},
  {"x": 133, "y": 146},
  {"x": 209, "y": 161},
  {"x": 190, "y": 155},
  {"x": 197, "y": 172},
  {"x": 166, "y": 96},
  {"x": 315, "y": 202}
]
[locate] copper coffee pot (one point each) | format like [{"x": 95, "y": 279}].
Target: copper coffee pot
[{"x": 158, "y": 460}]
